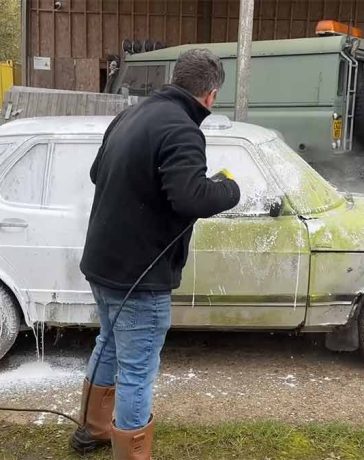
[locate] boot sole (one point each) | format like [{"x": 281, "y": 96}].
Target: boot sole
[{"x": 84, "y": 448}]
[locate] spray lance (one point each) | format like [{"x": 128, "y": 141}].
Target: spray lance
[{"x": 218, "y": 177}]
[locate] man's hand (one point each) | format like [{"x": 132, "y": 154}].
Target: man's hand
[{"x": 222, "y": 175}]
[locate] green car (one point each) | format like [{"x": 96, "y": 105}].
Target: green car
[{"x": 289, "y": 257}]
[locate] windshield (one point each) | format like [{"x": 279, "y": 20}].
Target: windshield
[{"x": 307, "y": 191}]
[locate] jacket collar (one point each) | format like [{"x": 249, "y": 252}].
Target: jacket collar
[{"x": 196, "y": 111}]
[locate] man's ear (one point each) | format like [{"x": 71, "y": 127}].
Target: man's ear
[{"x": 211, "y": 98}]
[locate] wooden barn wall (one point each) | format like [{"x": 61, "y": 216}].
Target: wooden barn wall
[
  {"x": 278, "y": 19},
  {"x": 78, "y": 37}
]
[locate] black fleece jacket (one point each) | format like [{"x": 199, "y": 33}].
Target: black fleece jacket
[{"x": 150, "y": 176}]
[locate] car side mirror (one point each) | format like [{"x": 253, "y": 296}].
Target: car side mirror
[{"x": 276, "y": 207}]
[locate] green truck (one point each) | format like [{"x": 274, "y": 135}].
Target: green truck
[{"x": 310, "y": 90}]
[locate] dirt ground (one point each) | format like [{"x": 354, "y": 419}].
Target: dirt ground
[{"x": 205, "y": 377}]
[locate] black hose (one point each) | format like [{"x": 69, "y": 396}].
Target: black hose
[
  {"x": 128, "y": 294},
  {"x": 48, "y": 411}
]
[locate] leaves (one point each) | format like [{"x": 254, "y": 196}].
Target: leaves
[{"x": 10, "y": 30}]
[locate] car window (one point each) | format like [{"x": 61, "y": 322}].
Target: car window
[
  {"x": 69, "y": 181},
  {"x": 24, "y": 182},
  {"x": 252, "y": 183},
  {"x": 307, "y": 190}
]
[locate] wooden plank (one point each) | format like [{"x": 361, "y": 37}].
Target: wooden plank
[
  {"x": 88, "y": 75},
  {"x": 233, "y": 30},
  {"x": 46, "y": 4},
  {"x": 140, "y": 26},
  {"x": 46, "y": 34},
  {"x": 125, "y": 28},
  {"x": 41, "y": 78},
  {"x": 78, "y": 35},
  {"x": 299, "y": 29},
  {"x": 156, "y": 28},
  {"x": 220, "y": 8},
  {"x": 78, "y": 6},
  {"x": 188, "y": 33},
  {"x": 33, "y": 36},
  {"x": 92, "y": 5},
  {"x": 204, "y": 21},
  {"x": 157, "y": 7},
  {"x": 110, "y": 33},
  {"x": 218, "y": 30},
  {"x": 172, "y": 32},
  {"x": 29, "y": 102},
  {"x": 93, "y": 36},
  {"x": 65, "y": 74},
  {"x": 62, "y": 34}
]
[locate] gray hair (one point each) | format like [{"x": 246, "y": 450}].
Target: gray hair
[{"x": 198, "y": 71}]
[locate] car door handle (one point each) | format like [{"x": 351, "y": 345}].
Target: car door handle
[{"x": 13, "y": 223}]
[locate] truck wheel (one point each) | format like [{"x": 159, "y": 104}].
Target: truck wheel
[
  {"x": 361, "y": 331},
  {"x": 9, "y": 321}
]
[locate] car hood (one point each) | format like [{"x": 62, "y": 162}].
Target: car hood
[{"x": 340, "y": 229}]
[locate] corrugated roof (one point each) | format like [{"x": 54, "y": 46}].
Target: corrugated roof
[{"x": 260, "y": 48}]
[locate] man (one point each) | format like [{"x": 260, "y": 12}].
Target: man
[{"x": 150, "y": 177}]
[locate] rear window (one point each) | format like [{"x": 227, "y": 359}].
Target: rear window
[{"x": 307, "y": 190}]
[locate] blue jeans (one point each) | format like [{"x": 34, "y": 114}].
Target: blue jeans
[{"x": 131, "y": 357}]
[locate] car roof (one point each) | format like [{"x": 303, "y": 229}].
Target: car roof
[
  {"x": 56, "y": 125},
  {"x": 259, "y": 48},
  {"x": 27, "y": 127}
]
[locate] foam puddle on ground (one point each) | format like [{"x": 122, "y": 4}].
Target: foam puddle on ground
[{"x": 39, "y": 373}]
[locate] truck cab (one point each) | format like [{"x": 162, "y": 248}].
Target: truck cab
[{"x": 311, "y": 90}]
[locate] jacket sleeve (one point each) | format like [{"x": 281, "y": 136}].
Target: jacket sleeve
[
  {"x": 95, "y": 164},
  {"x": 182, "y": 169}
]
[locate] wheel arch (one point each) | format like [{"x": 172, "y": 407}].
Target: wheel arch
[
  {"x": 19, "y": 298},
  {"x": 349, "y": 337}
]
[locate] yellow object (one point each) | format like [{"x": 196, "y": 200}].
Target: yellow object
[
  {"x": 8, "y": 77},
  {"x": 227, "y": 174},
  {"x": 337, "y": 129}
]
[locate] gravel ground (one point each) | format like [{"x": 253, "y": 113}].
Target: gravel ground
[
  {"x": 345, "y": 171},
  {"x": 205, "y": 377}
]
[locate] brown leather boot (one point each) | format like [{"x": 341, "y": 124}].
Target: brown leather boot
[
  {"x": 132, "y": 444},
  {"x": 96, "y": 426}
]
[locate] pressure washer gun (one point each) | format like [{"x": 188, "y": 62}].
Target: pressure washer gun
[{"x": 222, "y": 175}]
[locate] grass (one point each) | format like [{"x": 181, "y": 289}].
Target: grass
[{"x": 244, "y": 441}]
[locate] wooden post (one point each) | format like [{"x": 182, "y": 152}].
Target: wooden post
[
  {"x": 245, "y": 37},
  {"x": 24, "y": 43}
]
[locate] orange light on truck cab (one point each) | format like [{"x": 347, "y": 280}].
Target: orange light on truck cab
[{"x": 337, "y": 28}]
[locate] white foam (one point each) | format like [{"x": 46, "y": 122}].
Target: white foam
[{"x": 36, "y": 373}]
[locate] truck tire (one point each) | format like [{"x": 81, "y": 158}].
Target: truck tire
[
  {"x": 9, "y": 321},
  {"x": 361, "y": 331}
]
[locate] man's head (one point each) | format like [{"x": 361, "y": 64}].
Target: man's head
[{"x": 201, "y": 73}]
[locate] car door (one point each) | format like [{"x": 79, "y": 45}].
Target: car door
[
  {"x": 45, "y": 200},
  {"x": 247, "y": 269}
]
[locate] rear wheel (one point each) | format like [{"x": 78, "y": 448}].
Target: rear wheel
[{"x": 9, "y": 321}]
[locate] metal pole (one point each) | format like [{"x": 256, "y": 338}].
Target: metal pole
[
  {"x": 24, "y": 43},
  {"x": 243, "y": 58}
]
